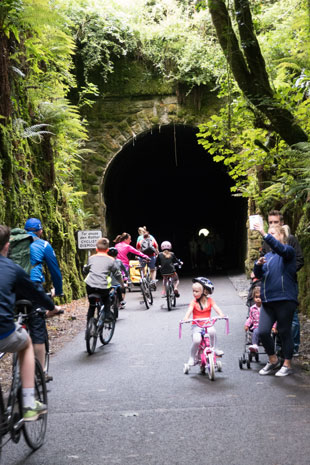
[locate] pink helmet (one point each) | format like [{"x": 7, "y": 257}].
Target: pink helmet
[{"x": 166, "y": 245}]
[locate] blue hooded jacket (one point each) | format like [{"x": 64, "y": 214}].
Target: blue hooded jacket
[
  {"x": 278, "y": 273},
  {"x": 41, "y": 251}
]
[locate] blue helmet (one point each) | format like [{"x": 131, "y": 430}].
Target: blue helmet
[{"x": 33, "y": 224}]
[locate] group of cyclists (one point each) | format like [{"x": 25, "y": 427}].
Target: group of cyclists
[{"x": 109, "y": 266}]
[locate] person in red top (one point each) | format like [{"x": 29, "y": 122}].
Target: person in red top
[{"x": 201, "y": 307}]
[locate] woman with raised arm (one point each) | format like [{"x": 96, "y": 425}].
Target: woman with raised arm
[{"x": 279, "y": 292}]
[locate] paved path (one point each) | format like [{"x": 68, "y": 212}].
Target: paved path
[{"x": 130, "y": 402}]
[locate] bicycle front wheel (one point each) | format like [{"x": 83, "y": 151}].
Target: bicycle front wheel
[
  {"x": 34, "y": 431},
  {"x": 146, "y": 294},
  {"x": 106, "y": 332},
  {"x": 210, "y": 366},
  {"x": 115, "y": 306},
  {"x": 149, "y": 294},
  {"x": 91, "y": 335}
]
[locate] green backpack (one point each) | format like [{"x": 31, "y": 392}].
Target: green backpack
[{"x": 19, "y": 251}]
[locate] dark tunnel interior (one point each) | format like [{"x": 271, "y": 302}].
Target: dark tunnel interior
[{"x": 166, "y": 181}]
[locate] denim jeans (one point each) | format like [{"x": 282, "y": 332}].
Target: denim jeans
[{"x": 296, "y": 331}]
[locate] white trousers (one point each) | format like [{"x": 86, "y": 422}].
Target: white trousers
[{"x": 196, "y": 337}]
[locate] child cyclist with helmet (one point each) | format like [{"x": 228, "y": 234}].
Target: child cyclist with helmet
[
  {"x": 201, "y": 307},
  {"x": 167, "y": 262},
  {"x": 113, "y": 252}
]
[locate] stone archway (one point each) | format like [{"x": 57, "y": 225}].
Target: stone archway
[{"x": 116, "y": 122}]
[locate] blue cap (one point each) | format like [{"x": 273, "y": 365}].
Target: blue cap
[{"x": 33, "y": 224}]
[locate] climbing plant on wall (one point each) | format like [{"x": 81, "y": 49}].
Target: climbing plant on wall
[{"x": 41, "y": 133}]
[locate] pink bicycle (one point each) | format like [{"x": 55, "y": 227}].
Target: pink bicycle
[{"x": 206, "y": 356}]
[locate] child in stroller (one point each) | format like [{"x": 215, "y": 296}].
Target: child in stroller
[
  {"x": 251, "y": 347},
  {"x": 253, "y": 320}
]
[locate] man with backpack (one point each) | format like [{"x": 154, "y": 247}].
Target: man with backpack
[
  {"x": 14, "y": 338},
  {"x": 148, "y": 245},
  {"x": 39, "y": 252}
]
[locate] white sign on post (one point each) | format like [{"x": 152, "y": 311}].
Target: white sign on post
[{"x": 88, "y": 239}]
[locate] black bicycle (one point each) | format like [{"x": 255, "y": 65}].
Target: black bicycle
[
  {"x": 12, "y": 423},
  {"x": 48, "y": 378},
  {"x": 97, "y": 325},
  {"x": 169, "y": 289},
  {"x": 145, "y": 284}
]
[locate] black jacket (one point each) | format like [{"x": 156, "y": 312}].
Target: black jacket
[{"x": 167, "y": 265}]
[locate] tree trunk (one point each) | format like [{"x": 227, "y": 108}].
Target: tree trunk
[
  {"x": 5, "y": 90},
  {"x": 249, "y": 69}
]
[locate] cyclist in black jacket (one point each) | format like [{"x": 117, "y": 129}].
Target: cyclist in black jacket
[
  {"x": 13, "y": 338},
  {"x": 167, "y": 262}
]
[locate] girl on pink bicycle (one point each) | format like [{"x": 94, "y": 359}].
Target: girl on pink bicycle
[{"x": 201, "y": 307}]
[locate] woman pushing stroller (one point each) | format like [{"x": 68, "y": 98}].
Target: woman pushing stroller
[{"x": 279, "y": 297}]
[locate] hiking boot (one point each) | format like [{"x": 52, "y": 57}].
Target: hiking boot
[
  {"x": 32, "y": 414},
  {"x": 269, "y": 368},
  {"x": 284, "y": 371}
]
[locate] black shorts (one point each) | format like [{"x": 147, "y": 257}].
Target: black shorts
[
  {"x": 36, "y": 323},
  {"x": 37, "y": 329}
]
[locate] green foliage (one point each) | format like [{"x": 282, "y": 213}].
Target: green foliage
[
  {"x": 179, "y": 42},
  {"x": 101, "y": 35},
  {"x": 171, "y": 36},
  {"x": 43, "y": 142},
  {"x": 263, "y": 168}
]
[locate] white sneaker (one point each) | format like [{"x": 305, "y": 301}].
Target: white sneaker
[
  {"x": 186, "y": 368},
  {"x": 219, "y": 352},
  {"x": 269, "y": 368},
  {"x": 284, "y": 371}
]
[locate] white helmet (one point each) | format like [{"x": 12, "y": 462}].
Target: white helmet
[
  {"x": 166, "y": 245},
  {"x": 205, "y": 282}
]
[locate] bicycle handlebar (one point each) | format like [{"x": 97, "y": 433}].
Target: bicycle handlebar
[{"x": 208, "y": 323}]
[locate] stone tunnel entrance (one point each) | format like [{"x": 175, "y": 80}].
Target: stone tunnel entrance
[{"x": 167, "y": 182}]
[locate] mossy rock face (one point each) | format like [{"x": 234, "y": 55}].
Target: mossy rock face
[
  {"x": 31, "y": 197},
  {"x": 134, "y": 78},
  {"x": 94, "y": 189}
]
